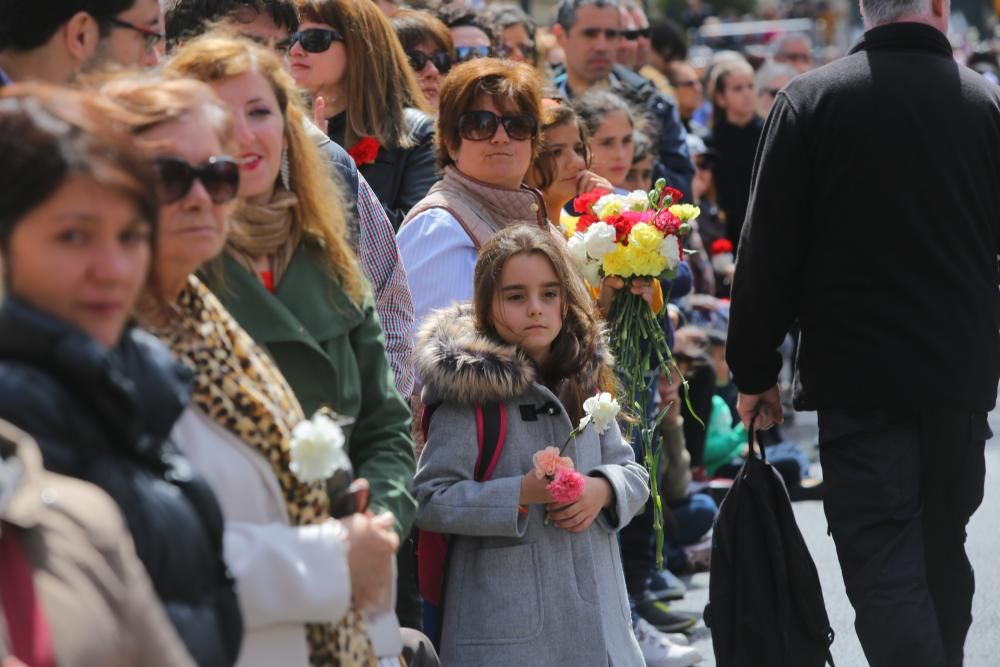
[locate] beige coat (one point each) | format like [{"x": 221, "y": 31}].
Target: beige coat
[{"x": 98, "y": 600}]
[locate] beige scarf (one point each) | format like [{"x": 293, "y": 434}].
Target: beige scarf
[{"x": 270, "y": 231}]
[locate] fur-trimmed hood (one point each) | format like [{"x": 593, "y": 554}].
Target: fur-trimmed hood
[{"x": 459, "y": 364}]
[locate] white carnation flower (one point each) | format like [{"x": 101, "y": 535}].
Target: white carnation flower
[
  {"x": 602, "y": 410},
  {"x": 578, "y": 249},
  {"x": 591, "y": 271},
  {"x": 599, "y": 240},
  {"x": 671, "y": 251},
  {"x": 637, "y": 200},
  {"x": 609, "y": 205},
  {"x": 317, "y": 449}
]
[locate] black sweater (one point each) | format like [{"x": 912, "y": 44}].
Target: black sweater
[
  {"x": 874, "y": 220},
  {"x": 736, "y": 146}
]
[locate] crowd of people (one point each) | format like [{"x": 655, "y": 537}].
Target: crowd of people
[{"x": 219, "y": 218}]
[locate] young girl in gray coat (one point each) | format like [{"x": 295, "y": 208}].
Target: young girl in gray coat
[{"x": 519, "y": 592}]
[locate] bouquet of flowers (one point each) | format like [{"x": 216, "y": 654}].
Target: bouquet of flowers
[
  {"x": 632, "y": 236},
  {"x": 565, "y": 483}
]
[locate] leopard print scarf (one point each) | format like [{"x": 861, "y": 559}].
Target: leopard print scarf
[{"x": 238, "y": 386}]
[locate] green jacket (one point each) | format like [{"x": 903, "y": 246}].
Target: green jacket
[{"x": 333, "y": 354}]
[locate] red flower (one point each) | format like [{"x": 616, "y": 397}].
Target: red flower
[
  {"x": 675, "y": 195},
  {"x": 622, "y": 227},
  {"x": 365, "y": 151},
  {"x": 666, "y": 222},
  {"x": 720, "y": 246},
  {"x": 585, "y": 221},
  {"x": 585, "y": 202}
]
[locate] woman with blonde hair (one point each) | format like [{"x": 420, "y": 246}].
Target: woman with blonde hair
[
  {"x": 346, "y": 54},
  {"x": 237, "y": 431}
]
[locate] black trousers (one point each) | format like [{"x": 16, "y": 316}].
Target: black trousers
[{"x": 901, "y": 488}]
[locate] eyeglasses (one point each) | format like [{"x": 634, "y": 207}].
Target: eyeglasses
[
  {"x": 528, "y": 51},
  {"x": 691, "y": 83},
  {"x": 633, "y": 35},
  {"x": 794, "y": 57},
  {"x": 483, "y": 125},
  {"x": 314, "y": 40},
  {"x": 772, "y": 92},
  {"x": 466, "y": 53},
  {"x": 610, "y": 34},
  {"x": 419, "y": 60},
  {"x": 150, "y": 38},
  {"x": 219, "y": 174}
]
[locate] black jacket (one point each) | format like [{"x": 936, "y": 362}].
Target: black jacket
[
  {"x": 104, "y": 416},
  {"x": 399, "y": 177},
  {"x": 874, "y": 220},
  {"x": 736, "y": 147}
]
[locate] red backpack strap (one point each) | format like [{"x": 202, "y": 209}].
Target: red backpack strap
[{"x": 491, "y": 429}]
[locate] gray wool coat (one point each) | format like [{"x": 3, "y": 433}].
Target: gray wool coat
[{"x": 518, "y": 592}]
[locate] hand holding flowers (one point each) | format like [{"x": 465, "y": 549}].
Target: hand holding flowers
[{"x": 576, "y": 517}]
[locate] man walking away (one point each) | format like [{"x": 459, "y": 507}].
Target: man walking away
[{"x": 873, "y": 221}]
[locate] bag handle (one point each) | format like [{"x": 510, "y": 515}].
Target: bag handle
[{"x": 752, "y": 440}]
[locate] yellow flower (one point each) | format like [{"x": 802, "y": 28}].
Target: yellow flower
[
  {"x": 685, "y": 212},
  {"x": 568, "y": 223},
  {"x": 609, "y": 205},
  {"x": 645, "y": 262},
  {"x": 645, "y": 236},
  {"x": 616, "y": 263}
]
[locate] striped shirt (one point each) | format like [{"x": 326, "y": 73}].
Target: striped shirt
[{"x": 380, "y": 261}]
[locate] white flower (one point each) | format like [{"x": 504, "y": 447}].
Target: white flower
[
  {"x": 602, "y": 409},
  {"x": 599, "y": 240},
  {"x": 722, "y": 261},
  {"x": 591, "y": 271},
  {"x": 609, "y": 205},
  {"x": 671, "y": 251},
  {"x": 637, "y": 200},
  {"x": 578, "y": 249},
  {"x": 317, "y": 449}
]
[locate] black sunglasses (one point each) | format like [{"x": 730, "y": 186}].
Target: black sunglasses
[
  {"x": 419, "y": 60},
  {"x": 467, "y": 53},
  {"x": 528, "y": 51},
  {"x": 314, "y": 40},
  {"x": 610, "y": 34},
  {"x": 483, "y": 125},
  {"x": 150, "y": 37},
  {"x": 633, "y": 35},
  {"x": 219, "y": 174}
]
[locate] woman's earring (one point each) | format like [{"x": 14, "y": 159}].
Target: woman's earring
[{"x": 285, "y": 170}]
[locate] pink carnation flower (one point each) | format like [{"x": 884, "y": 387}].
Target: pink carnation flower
[
  {"x": 567, "y": 486},
  {"x": 548, "y": 462}
]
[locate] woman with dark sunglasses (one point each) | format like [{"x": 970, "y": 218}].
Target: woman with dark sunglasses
[
  {"x": 347, "y": 54},
  {"x": 488, "y": 134},
  {"x": 237, "y": 429},
  {"x": 429, "y": 48},
  {"x": 78, "y": 231}
]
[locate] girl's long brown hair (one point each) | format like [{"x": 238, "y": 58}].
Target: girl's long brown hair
[
  {"x": 380, "y": 83},
  {"x": 319, "y": 211},
  {"x": 575, "y": 348}
]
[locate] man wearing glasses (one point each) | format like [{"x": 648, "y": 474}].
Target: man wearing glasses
[
  {"x": 589, "y": 32},
  {"x": 54, "y": 40}
]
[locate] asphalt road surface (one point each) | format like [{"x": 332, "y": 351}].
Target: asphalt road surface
[{"x": 982, "y": 649}]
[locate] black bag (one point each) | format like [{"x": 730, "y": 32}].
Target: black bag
[{"x": 765, "y": 604}]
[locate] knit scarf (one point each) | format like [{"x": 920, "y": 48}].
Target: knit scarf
[
  {"x": 238, "y": 386},
  {"x": 268, "y": 230}
]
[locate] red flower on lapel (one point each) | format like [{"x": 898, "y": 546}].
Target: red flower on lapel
[{"x": 365, "y": 151}]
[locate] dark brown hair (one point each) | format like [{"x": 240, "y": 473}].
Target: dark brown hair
[
  {"x": 379, "y": 81},
  {"x": 574, "y": 349},
  {"x": 49, "y": 134},
  {"x": 514, "y": 87},
  {"x": 414, "y": 28}
]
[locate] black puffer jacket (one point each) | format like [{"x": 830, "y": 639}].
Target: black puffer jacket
[
  {"x": 104, "y": 417},
  {"x": 399, "y": 177}
]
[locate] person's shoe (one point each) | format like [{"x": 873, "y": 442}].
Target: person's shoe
[
  {"x": 659, "y": 651},
  {"x": 665, "y": 586},
  {"x": 663, "y": 619},
  {"x": 809, "y": 488}
]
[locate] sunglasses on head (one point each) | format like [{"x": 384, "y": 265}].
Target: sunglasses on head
[
  {"x": 313, "y": 40},
  {"x": 483, "y": 125},
  {"x": 633, "y": 35},
  {"x": 220, "y": 175},
  {"x": 610, "y": 34},
  {"x": 419, "y": 60},
  {"x": 528, "y": 51},
  {"x": 467, "y": 53}
]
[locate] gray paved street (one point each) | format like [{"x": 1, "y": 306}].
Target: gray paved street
[{"x": 983, "y": 645}]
